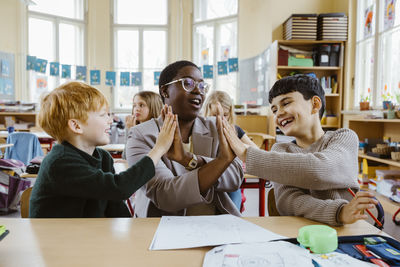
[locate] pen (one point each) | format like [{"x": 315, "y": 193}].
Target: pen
[{"x": 370, "y": 214}]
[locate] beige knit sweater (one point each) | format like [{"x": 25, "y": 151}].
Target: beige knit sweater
[{"x": 311, "y": 182}]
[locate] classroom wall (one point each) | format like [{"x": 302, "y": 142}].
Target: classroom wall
[{"x": 259, "y": 24}]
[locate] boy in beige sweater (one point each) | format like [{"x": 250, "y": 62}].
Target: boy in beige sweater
[{"x": 312, "y": 174}]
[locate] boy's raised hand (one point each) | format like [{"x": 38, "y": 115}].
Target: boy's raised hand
[
  {"x": 354, "y": 210},
  {"x": 165, "y": 137},
  {"x": 224, "y": 150},
  {"x": 237, "y": 146}
]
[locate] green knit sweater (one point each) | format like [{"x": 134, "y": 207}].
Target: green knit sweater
[{"x": 72, "y": 183}]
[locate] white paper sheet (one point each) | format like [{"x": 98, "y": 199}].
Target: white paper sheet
[
  {"x": 177, "y": 232},
  {"x": 278, "y": 253}
]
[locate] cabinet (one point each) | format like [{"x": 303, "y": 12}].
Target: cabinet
[
  {"x": 333, "y": 100},
  {"x": 23, "y": 120}
]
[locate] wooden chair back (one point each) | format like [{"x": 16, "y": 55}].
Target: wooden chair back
[
  {"x": 272, "y": 210},
  {"x": 25, "y": 197}
]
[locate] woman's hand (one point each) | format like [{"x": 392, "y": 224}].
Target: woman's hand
[
  {"x": 164, "y": 139},
  {"x": 224, "y": 150},
  {"x": 177, "y": 152},
  {"x": 130, "y": 121},
  {"x": 354, "y": 210},
  {"x": 236, "y": 145}
]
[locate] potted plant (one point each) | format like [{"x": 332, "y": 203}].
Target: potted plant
[
  {"x": 387, "y": 99},
  {"x": 364, "y": 100}
]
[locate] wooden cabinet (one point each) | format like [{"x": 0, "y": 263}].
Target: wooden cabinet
[
  {"x": 334, "y": 99},
  {"x": 25, "y": 117}
]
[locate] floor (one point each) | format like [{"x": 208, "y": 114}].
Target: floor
[{"x": 251, "y": 210}]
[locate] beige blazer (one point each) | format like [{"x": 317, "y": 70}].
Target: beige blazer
[{"x": 173, "y": 188}]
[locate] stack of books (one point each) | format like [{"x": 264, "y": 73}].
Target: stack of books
[
  {"x": 332, "y": 26},
  {"x": 300, "y": 26}
]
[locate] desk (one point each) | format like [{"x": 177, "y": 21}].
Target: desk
[
  {"x": 114, "y": 149},
  {"x": 118, "y": 242},
  {"x": 6, "y": 145},
  {"x": 43, "y": 137}
]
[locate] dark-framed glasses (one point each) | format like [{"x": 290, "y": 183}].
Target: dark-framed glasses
[{"x": 188, "y": 84}]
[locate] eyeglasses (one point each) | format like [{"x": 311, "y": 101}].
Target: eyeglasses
[{"x": 188, "y": 84}]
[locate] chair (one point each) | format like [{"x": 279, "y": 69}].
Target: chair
[
  {"x": 272, "y": 210},
  {"x": 26, "y": 147},
  {"x": 25, "y": 197}
]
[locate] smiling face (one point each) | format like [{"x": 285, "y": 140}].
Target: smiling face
[
  {"x": 293, "y": 114},
  {"x": 186, "y": 105},
  {"x": 96, "y": 130},
  {"x": 140, "y": 109}
]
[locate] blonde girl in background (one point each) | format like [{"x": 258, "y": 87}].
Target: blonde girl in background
[{"x": 219, "y": 102}]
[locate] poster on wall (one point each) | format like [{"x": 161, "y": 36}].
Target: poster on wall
[
  {"x": 54, "y": 68},
  {"x": 66, "y": 71},
  {"x": 95, "y": 77},
  {"x": 208, "y": 71},
  {"x": 204, "y": 56},
  {"x": 390, "y": 14},
  {"x": 222, "y": 67},
  {"x": 225, "y": 50},
  {"x": 110, "y": 78},
  {"x": 136, "y": 78},
  {"x": 157, "y": 77},
  {"x": 125, "y": 78},
  {"x": 8, "y": 86},
  {"x": 30, "y": 62},
  {"x": 368, "y": 21},
  {"x": 233, "y": 64},
  {"x": 81, "y": 73},
  {"x": 5, "y": 67},
  {"x": 41, "y": 65},
  {"x": 41, "y": 84}
]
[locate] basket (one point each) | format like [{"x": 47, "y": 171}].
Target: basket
[
  {"x": 383, "y": 150},
  {"x": 395, "y": 156}
]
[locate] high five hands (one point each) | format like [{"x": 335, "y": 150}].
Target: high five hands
[{"x": 238, "y": 147}]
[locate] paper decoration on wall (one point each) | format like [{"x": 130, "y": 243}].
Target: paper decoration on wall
[
  {"x": 125, "y": 78},
  {"x": 225, "y": 49},
  {"x": 1, "y": 86},
  {"x": 66, "y": 71},
  {"x": 110, "y": 78},
  {"x": 8, "y": 86},
  {"x": 5, "y": 67},
  {"x": 208, "y": 71},
  {"x": 157, "y": 77},
  {"x": 95, "y": 77},
  {"x": 41, "y": 65},
  {"x": 368, "y": 21},
  {"x": 389, "y": 14},
  {"x": 30, "y": 62},
  {"x": 54, "y": 68},
  {"x": 233, "y": 64},
  {"x": 222, "y": 67},
  {"x": 41, "y": 83},
  {"x": 136, "y": 78},
  {"x": 81, "y": 73},
  {"x": 204, "y": 56}
]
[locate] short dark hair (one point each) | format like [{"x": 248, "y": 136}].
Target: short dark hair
[
  {"x": 304, "y": 84},
  {"x": 170, "y": 71}
]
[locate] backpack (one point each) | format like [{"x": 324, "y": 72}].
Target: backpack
[{"x": 11, "y": 185}]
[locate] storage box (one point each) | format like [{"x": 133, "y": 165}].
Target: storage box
[
  {"x": 388, "y": 174},
  {"x": 301, "y": 62},
  {"x": 283, "y": 57}
]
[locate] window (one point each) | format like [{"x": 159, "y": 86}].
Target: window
[
  {"x": 378, "y": 55},
  {"x": 140, "y": 45},
  {"x": 215, "y": 39},
  {"x": 56, "y": 34}
]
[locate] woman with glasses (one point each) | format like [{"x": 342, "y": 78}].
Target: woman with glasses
[{"x": 193, "y": 178}]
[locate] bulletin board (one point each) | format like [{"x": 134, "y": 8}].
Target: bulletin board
[
  {"x": 257, "y": 76},
  {"x": 7, "y": 76}
]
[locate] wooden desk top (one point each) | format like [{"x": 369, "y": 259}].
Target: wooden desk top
[
  {"x": 117, "y": 242},
  {"x": 113, "y": 147},
  {"x": 6, "y": 145},
  {"x": 40, "y": 135}
]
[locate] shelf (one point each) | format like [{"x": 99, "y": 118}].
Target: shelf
[
  {"x": 329, "y": 126},
  {"x": 385, "y": 161},
  {"x": 307, "y": 68},
  {"x": 376, "y": 120},
  {"x": 331, "y": 95},
  {"x": 308, "y": 42},
  {"x": 17, "y": 113}
]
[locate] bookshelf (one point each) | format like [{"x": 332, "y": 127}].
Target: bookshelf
[
  {"x": 333, "y": 99},
  {"x": 26, "y": 117}
]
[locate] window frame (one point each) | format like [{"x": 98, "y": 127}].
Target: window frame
[
  {"x": 378, "y": 53},
  {"x": 216, "y": 23},
  {"x": 141, "y": 28},
  {"x": 56, "y": 21}
]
